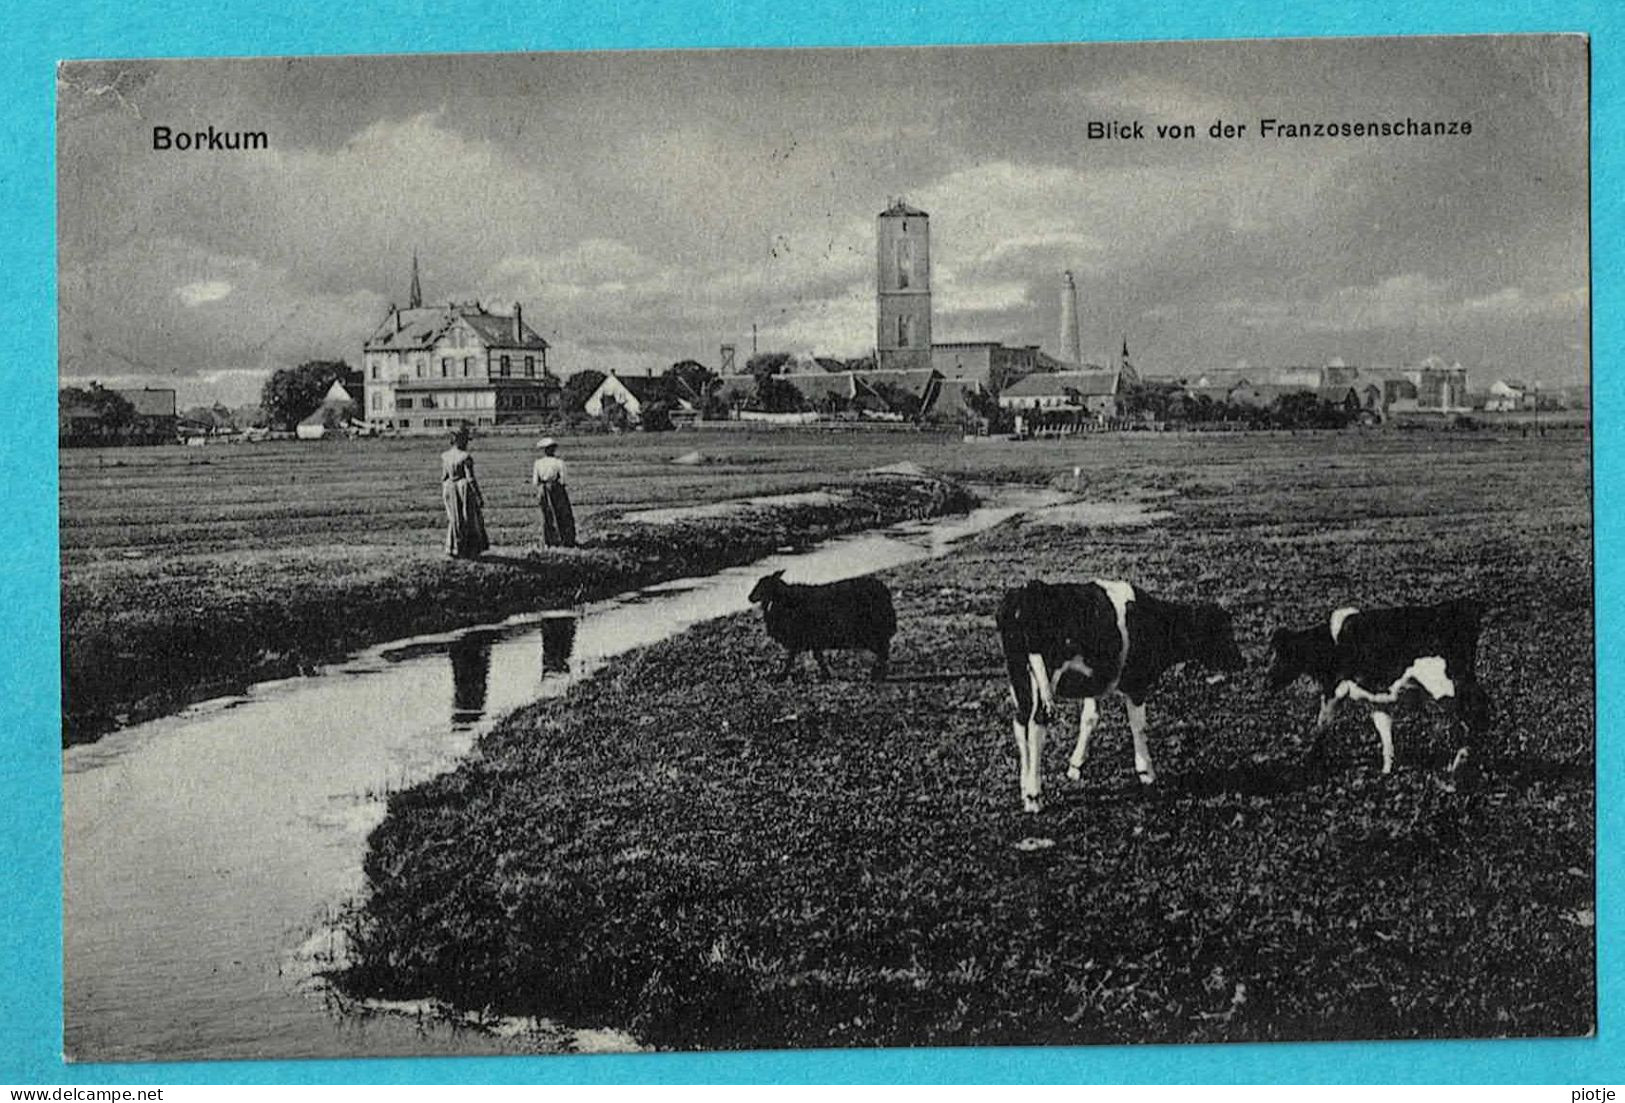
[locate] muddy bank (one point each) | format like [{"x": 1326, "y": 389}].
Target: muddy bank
[{"x": 152, "y": 643}]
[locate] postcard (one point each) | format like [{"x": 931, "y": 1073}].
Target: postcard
[{"x": 789, "y": 549}]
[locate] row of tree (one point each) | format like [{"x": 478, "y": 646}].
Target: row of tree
[
  {"x": 1168, "y": 402},
  {"x": 98, "y": 410}
]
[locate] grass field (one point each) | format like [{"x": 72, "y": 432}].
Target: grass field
[
  {"x": 191, "y": 572},
  {"x": 687, "y": 849}
]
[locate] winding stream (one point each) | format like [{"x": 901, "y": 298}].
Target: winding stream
[{"x": 206, "y": 855}]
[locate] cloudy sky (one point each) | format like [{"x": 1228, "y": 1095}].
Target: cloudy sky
[{"x": 651, "y": 207}]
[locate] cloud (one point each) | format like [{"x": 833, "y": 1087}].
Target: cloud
[
  {"x": 1404, "y": 302},
  {"x": 205, "y": 291},
  {"x": 651, "y": 207}
]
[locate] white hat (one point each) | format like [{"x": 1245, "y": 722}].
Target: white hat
[{"x": 546, "y": 442}]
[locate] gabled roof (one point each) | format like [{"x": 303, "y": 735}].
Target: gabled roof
[
  {"x": 414, "y": 328},
  {"x": 422, "y": 327},
  {"x": 1094, "y": 381},
  {"x": 337, "y": 393},
  {"x": 916, "y": 381},
  {"x": 816, "y": 385},
  {"x": 951, "y": 395},
  {"x": 644, "y": 388},
  {"x": 496, "y": 330}
]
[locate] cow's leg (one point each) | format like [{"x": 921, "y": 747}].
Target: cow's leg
[
  {"x": 1142, "y": 750},
  {"x": 1020, "y": 727},
  {"x": 823, "y": 664},
  {"x": 882, "y": 660},
  {"x": 1086, "y": 727},
  {"x": 1032, "y": 777},
  {"x": 1472, "y": 718},
  {"x": 1385, "y": 731},
  {"x": 790, "y": 658},
  {"x": 1032, "y": 789},
  {"x": 1317, "y": 734}
]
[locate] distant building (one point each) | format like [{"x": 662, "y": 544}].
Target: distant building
[
  {"x": 920, "y": 388},
  {"x": 1439, "y": 388},
  {"x": 1338, "y": 374},
  {"x": 1509, "y": 394},
  {"x": 991, "y": 365},
  {"x": 822, "y": 390},
  {"x": 334, "y": 415},
  {"x": 903, "y": 288},
  {"x": 428, "y": 368},
  {"x": 635, "y": 394},
  {"x": 920, "y": 392},
  {"x": 1430, "y": 387},
  {"x": 154, "y": 419},
  {"x": 1093, "y": 390}
]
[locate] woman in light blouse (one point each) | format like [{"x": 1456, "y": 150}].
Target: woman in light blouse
[{"x": 547, "y": 476}]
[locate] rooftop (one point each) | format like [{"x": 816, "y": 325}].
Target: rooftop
[
  {"x": 421, "y": 327},
  {"x": 899, "y": 209},
  {"x": 1093, "y": 381}
]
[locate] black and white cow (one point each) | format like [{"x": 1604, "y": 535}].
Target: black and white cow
[
  {"x": 1378, "y": 655},
  {"x": 1086, "y": 640}
]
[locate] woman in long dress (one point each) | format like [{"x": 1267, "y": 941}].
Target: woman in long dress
[
  {"x": 547, "y": 476},
  {"x": 465, "y": 506}
]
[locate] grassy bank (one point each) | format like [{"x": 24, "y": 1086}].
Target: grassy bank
[
  {"x": 683, "y": 848},
  {"x": 145, "y": 637}
]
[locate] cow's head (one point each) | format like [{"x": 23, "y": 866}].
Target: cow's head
[
  {"x": 1213, "y": 639},
  {"x": 1295, "y": 652},
  {"x": 767, "y": 588}
]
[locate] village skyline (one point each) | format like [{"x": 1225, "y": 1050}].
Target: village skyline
[{"x": 647, "y": 208}]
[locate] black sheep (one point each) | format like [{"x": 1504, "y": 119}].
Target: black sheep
[{"x": 853, "y": 615}]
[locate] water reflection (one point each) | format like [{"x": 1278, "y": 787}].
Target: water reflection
[
  {"x": 558, "y": 642},
  {"x": 470, "y": 675},
  {"x": 269, "y": 806}
]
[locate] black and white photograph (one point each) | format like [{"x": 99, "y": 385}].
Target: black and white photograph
[{"x": 793, "y": 549}]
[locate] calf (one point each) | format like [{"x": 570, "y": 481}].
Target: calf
[
  {"x": 854, "y": 614},
  {"x": 1084, "y": 641},
  {"x": 1377, "y": 655}
]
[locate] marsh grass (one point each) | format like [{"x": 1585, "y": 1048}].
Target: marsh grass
[
  {"x": 687, "y": 849},
  {"x": 183, "y": 581}
]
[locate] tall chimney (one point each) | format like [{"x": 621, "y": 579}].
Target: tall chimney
[
  {"x": 518, "y": 326},
  {"x": 1071, "y": 349}
]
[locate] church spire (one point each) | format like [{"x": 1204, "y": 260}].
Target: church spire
[{"x": 415, "y": 299}]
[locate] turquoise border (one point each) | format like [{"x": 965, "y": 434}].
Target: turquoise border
[{"x": 30, "y": 869}]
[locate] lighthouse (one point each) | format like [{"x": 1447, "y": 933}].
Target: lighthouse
[{"x": 1071, "y": 348}]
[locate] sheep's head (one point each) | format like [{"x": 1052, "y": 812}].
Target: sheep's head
[{"x": 767, "y": 588}]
